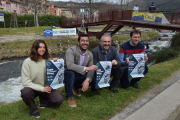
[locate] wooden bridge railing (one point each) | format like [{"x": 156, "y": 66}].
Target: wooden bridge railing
[{"x": 172, "y": 16}]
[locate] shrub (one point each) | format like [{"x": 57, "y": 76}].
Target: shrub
[
  {"x": 44, "y": 20},
  {"x": 167, "y": 53},
  {"x": 175, "y": 41}
]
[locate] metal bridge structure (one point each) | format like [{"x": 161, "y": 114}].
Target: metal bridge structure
[{"x": 119, "y": 19}]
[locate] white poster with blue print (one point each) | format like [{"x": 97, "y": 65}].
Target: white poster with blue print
[
  {"x": 136, "y": 66},
  {"x": 57, "y": 32},
  {"x": 55, "y": 73},
  {"x": 103, "y": 74}
]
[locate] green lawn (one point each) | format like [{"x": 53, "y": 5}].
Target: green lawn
[
  {"x": 98, "y": 105},
  {"x": 23, "y": 30}
]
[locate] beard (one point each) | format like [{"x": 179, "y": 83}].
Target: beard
[
  {"x": 106, "y": 47},
  {"x": 82, "y": 49}
]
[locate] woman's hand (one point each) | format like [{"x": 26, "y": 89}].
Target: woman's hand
[
  {"x": 55, "y": 59},
  {"x": 47, "y": 89}
]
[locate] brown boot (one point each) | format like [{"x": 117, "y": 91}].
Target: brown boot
[
  {"x": 71, "y": 102},
  {"x": 76, "y": 92}
]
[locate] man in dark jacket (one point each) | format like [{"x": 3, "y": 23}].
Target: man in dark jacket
[
  {"x": 106, "y": 52},
  {"x": 152, "y": 8}
]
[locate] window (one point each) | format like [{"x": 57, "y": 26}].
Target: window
[
  {"x": 12, "y": 5},
  {"x": 1, "y": 9},
  {"x": 16, "y": 6},
  {"x": 3, "y": 3}
]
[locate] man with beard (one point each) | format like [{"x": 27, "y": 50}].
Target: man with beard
[
  {"x": 126, "y": 49},
  {"x": 79, "y": 69},
  {"x": 106, "y": 52}
]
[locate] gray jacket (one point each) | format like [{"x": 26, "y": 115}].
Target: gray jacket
[
  {"x": 72, "y": 60},
  {"x": 99, "y": 56}
]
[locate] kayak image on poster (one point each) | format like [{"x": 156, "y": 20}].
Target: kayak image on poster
[
  {"x": 55, "y": 73},
  {"x": 103, "y": 74},
  {"x": 136, "y": 66}
]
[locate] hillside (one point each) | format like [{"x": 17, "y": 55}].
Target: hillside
[{"x": 161, "y": 5}]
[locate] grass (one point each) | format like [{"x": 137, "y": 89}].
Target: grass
[
  {"x": 22, "y": 48},
  {"x": 98, "y": 105},
  {"x": 22, "y": 31}
]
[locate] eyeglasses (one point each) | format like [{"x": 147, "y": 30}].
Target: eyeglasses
[{"x": 84, "y": 40}]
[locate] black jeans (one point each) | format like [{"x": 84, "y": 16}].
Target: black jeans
[
  {"x": 125, "y": 81},
  {"x": 46, "y": 99},
  {"x": 116, "y": 72},
  {"x": 74, "y": 80}
]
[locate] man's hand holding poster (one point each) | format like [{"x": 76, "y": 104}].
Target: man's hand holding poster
[
  {"x": 55, "y": 73},
  {"x": 136, "y": 66},
  {"x": 103, "y": 74}
]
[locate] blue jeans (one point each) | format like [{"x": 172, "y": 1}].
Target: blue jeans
[
  {"x": 124, "y": 81},
  {"x": 74, "y": 80}
]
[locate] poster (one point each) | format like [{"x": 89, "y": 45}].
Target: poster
[
  {"x": 1, "y": 17},
  {"x": 103, "y": 74},
  {"x": 55, "y": 73},
  {"x": 136, "y": 66},
  {"x": 56, "y": 32},
  {"x": 147, "y": 17}
]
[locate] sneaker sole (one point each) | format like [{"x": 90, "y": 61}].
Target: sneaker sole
[
  {"x": 71, "y": 105},
  {"x": 36, "y": 116},
  {"x": 41, "y": 107}
]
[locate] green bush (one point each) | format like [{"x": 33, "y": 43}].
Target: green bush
[
  {"x": 167, "y": 53},
  {"x": 22, "y": 18},
  {"x": 7, "y": 18},
  {"x": 175, "y": 41},
  {"x": 44, "y": 20}
]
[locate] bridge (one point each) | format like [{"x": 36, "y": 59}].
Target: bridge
[{"x": 121, "y": 18}]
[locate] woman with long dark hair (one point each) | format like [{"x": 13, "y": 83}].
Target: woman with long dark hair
[{"x": 33, "y": 75}]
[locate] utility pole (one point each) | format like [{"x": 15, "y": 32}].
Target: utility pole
[
  {"x": 83, "y": 19},
  {"x": 35, "y": 20}
]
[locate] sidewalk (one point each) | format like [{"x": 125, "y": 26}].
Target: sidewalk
[{"x": 161, "y": 103}]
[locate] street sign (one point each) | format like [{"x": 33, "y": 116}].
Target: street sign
[
  {"x": 1, "y": 17},
  {"x": 48, "y": 32}
]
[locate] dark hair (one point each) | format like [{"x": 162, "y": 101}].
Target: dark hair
[
  {"x": 135, "y": 31},
  {"x": 152, "y": 2},
  {"x": 34, "y": 54},
  {"x": 82, "y": 35}
]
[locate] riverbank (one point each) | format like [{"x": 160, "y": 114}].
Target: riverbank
[
  {"x": 13, "y": 49},
  {"x": 101, "y": 104}
]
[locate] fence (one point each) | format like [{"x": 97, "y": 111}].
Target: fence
[{"x": 172, "y": 16}]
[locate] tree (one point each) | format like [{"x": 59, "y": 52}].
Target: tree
[
  {"x": 36, "y": 7},
  {"x": 93, "y": 5}
]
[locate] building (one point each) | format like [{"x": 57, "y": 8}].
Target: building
[
  {"x": 10, "y": 6},
  {"x": 65, "y": 12},
  {"x": 57, "y": 11}
]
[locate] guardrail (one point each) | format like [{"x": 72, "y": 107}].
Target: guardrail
[{"x": 115, "y": 14}]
